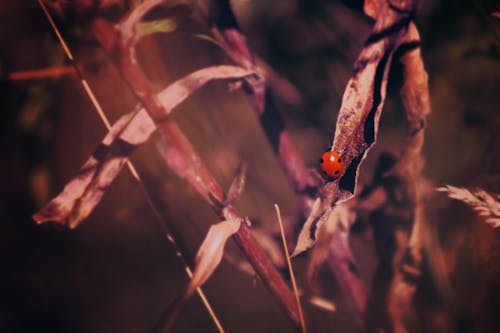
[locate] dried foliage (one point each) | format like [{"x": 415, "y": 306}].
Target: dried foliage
[
  {"x": 178, "y": 151},
  {"x": 357, "y": 126},
  {"x": 358, "y": 119},
  {"x": 83, "y": 193},
  {"x": 485, "y": 204},
  {"x": 328, "y": 216},
  {"x": 210, "y": 253}
]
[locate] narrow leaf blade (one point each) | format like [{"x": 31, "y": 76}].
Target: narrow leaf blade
[{"x": 210, "y": 253}]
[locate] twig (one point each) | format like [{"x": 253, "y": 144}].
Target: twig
[
  {"x": 184, "y": 157},
  {"x": 290, "y": 269},
  {"x": 130, "y": 166}
]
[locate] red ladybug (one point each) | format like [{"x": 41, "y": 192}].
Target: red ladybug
[{"x": 331, "y": 164}]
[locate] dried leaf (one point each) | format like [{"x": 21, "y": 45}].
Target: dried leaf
[
  {"x": 485, "y": 204},
  {"x": 176, "y": 149},
  {"x": 237, "y": 185},
  {"x": 358, "y": 119},
  {"x": 158, "y": 26},
  {"x": 341, "y": 218},
  {"x": 309, "y": 232},
  {"x": 210, "y": 253},
  {"x": 183, "y": 88},
  {"x": 80, "y": 196}
]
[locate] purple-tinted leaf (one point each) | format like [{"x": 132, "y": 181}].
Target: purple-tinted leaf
[
  {"x": 358, "y": 119},
  {"x": 80, "y": 196},
  {"x": 210, "y": 253},
  {"x": 309, "y": 232}
]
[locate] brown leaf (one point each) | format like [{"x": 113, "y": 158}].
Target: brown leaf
[
  {"x": 80, "y": 196},
  {"x": 210, "y": 253},
  {"x": 207, "y": 259},
  {"x": 362, "y": 103},
  {"x": 341, "y": 218},
  {"x": 184, "y": 87},
  {"x": 309, "y": 232}
]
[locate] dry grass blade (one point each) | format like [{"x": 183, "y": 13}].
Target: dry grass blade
[
  {"x": 290, "y": 269},
  {"x": 80, "y": 196},
  {"x": 487, "y": 205},
  {"x": 84, "y": 192},
  {"x": 182, "y": 156},
  {"x": 132, "y": 169},
  {"x": 208, "y": 258}
]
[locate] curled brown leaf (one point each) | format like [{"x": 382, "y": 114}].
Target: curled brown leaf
[{"x": 362, "y": 103}]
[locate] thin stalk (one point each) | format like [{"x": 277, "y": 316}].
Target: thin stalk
[
  {"x": 290, "y": 269},
  {"x": 130, "y": 166},
  {"x": 185, "y": 161}
]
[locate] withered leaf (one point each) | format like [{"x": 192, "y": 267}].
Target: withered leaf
[
  {"x": 210, "y": 253},
  {"x": 339, "y": 220},
  {"x": 309, "y": 232},
  {"x": 80, "y": 196},
  {"x": 358, "y": 120}
]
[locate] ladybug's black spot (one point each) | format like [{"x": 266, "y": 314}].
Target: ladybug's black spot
[
  {"x": 321, "y": 160},
  {"x": 340, "y": 160},
  {"x": 336, "y": 172}
]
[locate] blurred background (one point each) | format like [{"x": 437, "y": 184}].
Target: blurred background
[{"x": 117, "y": 273}]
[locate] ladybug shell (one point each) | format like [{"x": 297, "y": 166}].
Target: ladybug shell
[{"x": 331, "y": 164}]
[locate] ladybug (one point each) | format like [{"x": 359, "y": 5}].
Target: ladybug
[{"x": 331, "y": 164}]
